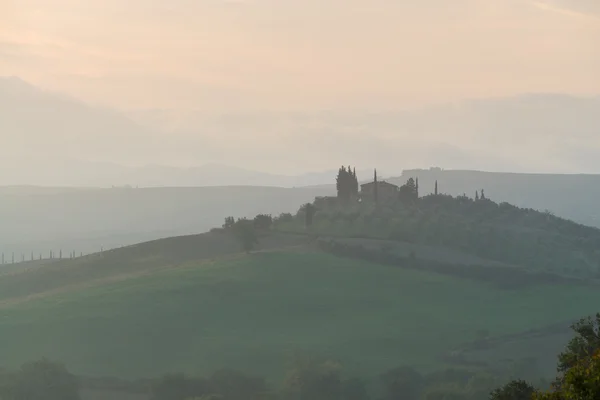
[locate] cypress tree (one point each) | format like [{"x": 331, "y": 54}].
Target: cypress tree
[
  {"x": 417, "y": 188},
  {"x": 436, "y": 188},
  {"x": 476, "y": 195},
  {"x": 482, "y": 195},
  {"x": 342, "y": 183},
  {"x": 375, "y": 186}
]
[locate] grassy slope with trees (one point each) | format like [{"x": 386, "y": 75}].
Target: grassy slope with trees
[
  {"x": 427, "y": 296},
  {"x": 308, "y": 378},
  {"x": 572, "y": 196},
  {"x": 478, "y": 227},
  {"x": 253, "y": 312}
]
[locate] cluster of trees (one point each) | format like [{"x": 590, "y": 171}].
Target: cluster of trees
[
  {"x": 500, "y": 232},
  {"x": 309, "y": 378},
  {"x": 409, "y": 192},
  {"x": 347, "y": 183},
  {"x": 260, "y": 222},
  {"x": 578, "y": 370},
  {"x": 313, "y": 379},
  {"x": 225, "y": 384},
  {"x": 39, "y": 380},
  {"x": 501, "y": 276},
  {"x": 248, "y": 231}
]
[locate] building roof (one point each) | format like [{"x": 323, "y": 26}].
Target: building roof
[{"x": 379, "y": 183}]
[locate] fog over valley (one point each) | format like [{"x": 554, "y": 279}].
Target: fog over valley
[{"x": 300, "y": 200}]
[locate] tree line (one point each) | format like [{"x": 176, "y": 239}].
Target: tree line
[
  {"x": 313, "y": 378},
  {"x": 347, "y": 187}
]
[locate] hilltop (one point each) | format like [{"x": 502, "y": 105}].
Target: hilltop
[
  {"x": 571, "y": 196},
  {"x": 500, "y": 232}
]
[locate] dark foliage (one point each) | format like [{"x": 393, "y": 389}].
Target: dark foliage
[
  {"x": 346, "y": 183},
  {"x": 263, "y": 221},
  {"x": 246, "y": 234},
  {"x": 179, "y": 387},
  {"x": 41, "y": 380},
  {"x": 583, "y": 346},
  {"x": 285, "y": 217},
  {"x": 499, "y": 232},
  {"x": 234, "y": 385},
  {"x": 409, "y": 192},
  {"x": 309, "y": 211},
  {"x": 229, "y": 222},
  {"x": 514, "y": 390},
  {"x": 402, "y": 383}
]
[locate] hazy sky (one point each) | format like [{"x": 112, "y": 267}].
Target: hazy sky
[{"x": 303, "y": 54}]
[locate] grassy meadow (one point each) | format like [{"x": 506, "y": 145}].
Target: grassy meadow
[{"x": 255, "y": 312}]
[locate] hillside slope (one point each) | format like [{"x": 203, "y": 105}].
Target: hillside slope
[
  {"x": 201, "y": 313},
  {"x": 501, "y": 232},
  {"x": 38, "y": 279}
]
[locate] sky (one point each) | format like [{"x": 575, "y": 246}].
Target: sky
[{"x": 300, "y": 55}]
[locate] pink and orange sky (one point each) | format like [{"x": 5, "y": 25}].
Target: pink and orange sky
[{"x": 309, "y": 54}]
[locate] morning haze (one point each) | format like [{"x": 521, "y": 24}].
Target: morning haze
[
  {"x": 299, "y": 200},
  {"x": 208, "y": 75}
]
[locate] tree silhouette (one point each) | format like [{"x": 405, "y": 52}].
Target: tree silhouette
[
  {"x": 346, "y": 183},
  {"x": 309, "y": 212},
  {"x": 417, "y": 187},
  {"x": 436, "y": 188},
  {"x": 585, "y": 344},
  {"x": 44, "y": 380},
  {"x": 246, "y": 234},
  {"x": 375, "y": 186},
  {"x": 408, "y": 191},
  {"x": 229, "y": 222},
  {"x": 514, "y": 390},
  {"x": 263, "y": 221}
]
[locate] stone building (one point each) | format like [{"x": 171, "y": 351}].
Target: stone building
[{"x": 384, "y": 191}]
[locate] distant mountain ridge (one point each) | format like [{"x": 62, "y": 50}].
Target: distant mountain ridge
[
  {"x": 81, "y": 174},
  {"x": 41, "y": 129}
]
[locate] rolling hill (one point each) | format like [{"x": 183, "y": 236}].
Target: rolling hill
[
  {"x": 571, "y": 196},
  {"x": 500, "y": 232},
  {"x": 194, "y": 304}
]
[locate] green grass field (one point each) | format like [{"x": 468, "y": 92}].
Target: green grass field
[{"x": 254, "y": 312}]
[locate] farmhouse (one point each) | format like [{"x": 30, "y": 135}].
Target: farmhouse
[{"x": 384, "y": 191}]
